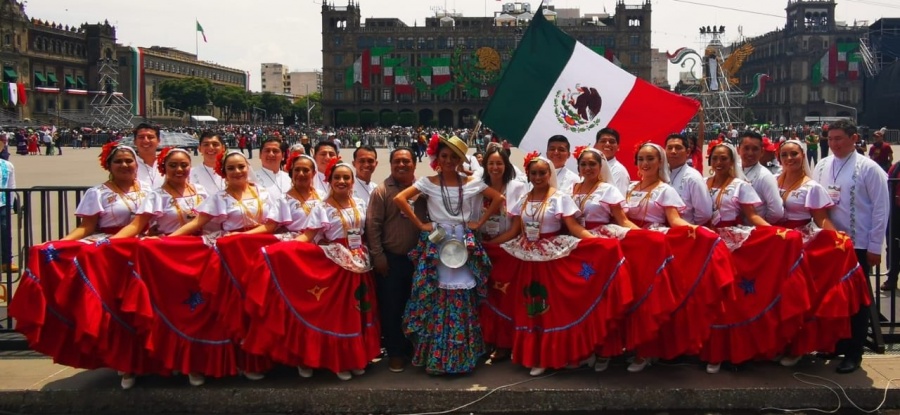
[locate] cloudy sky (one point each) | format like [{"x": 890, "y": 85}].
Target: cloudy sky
[{"x": 244, "y": 34}]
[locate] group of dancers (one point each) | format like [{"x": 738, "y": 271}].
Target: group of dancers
[{"x": 216, "y": 270}]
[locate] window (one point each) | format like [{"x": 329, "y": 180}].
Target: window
[
  {"x": 367, "y": 95},
  {"x": 634, "y": 40},
  {"x": 338, "y": 60},
  {"x": 39, "y": 105},
  {"x": 338, "y": 41},
  {"x": 387, "y": 95},
  {"x": 339, "y": 94},
  {"x": 635, "y": 58},
  {"x": 338, "y": 76}
]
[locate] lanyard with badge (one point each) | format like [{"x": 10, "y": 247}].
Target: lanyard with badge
[
  {"x": 351, "y": 230},
  {"x": 834, "y": 189},
  {"x": 533, "y": 226}
]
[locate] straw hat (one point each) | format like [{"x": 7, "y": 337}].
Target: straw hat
[{"x": 457, "y": 145}]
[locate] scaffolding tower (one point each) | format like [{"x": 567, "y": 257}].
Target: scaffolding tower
[
  {"x": 109, "y": 108},
  {"x": 721, "y": 100}
]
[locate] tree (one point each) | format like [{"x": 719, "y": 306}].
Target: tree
[
  {"x": 299, "y": 109},
  {"x": 231, "y": 100},
  {"x": 186, "y": 94},
  {"x": 274, "y": 104}
]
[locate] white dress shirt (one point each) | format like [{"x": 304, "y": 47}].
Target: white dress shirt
[
  {"x": 859, "y": 191},
  {"x": 565, "y": 179},
  {"x": 277, "y": 182},
  {"x": 363, "y": 190},
  {"x": 320, "y": 184},
  {"x": 208, "y": 178},
  {"x": 690, "y": 185},
  {"x": 620, "y": 177},
  {"x": 149, "y": 174},
  {"x": 766, "y": 186}
]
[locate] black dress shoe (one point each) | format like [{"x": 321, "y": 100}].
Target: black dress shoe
[
  {"x": 849, "y": 364},
  {"x": 889, "y": 286}
]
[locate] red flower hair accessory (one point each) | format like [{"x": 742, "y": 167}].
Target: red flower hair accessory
[
  {"x": 291, "y": 159},
  {"x": 432, "y": 150},
  {"x": 578, "y": 151},
  {"x": 330, "y": 168},
  {"x": 220, "y": 164},
  {"x": 532, "y": 156},
  {"x": 161, "y": 160},
  {"x": 106, "y": 152}
]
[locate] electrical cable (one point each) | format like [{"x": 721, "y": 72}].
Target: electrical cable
[
  {"x": 731, "y": 8},
  {"x": 832, "y": 390},
  {"x": 492, "y": 391}
]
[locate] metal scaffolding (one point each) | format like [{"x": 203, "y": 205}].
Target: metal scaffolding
[
  {"x": 722, "y": 101},
  {"x": 109, "y": 108}
]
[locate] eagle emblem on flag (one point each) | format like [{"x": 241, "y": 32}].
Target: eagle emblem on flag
[{"x": 578, "y": 110}]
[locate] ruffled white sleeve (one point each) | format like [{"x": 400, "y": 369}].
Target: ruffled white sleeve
[
  {"x": 745, "y": 195},
  {"x": 215, "y": 206},
  {"x": 817, "y": 197},
  {"x": 153, "y": 204},
  {"x": 317, "y": 218},
  {"x": 609, "y": 195},
  {"x": 425, "y": 186},
  {"x": 90, "y": 204},
  {"x": 565, "y": 206},
  {"x": 668, "y": 197},
  {"x": 514, "y": 207},
  {"x": 279, "y": 211}
]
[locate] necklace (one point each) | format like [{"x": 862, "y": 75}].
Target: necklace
[
  {"x": 586, "y": 196},
  {"x": 446, "y": 198},
  {"x": 834, "y": 175},
  {"x": 124, "y": 196},
  {"x": 313, "y": 194},
  {"x": 537, "y": 213},
  {"x": 150, "y": 175},
  {"x": 192, "y": 200},
  {"x": 787, "y": 192},
  {"x": 255, "y": 219},
  {"x": 355, "y": 220},
  {"x": 644, "y": 202},
  {"x": 721, "y": 190},
  {"x": 211, "y": 177}
]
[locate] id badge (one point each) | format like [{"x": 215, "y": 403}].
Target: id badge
[
  {"x": 716, "y": 218},
  {"x": 532, "y": 231},
  {"x": 834, "y": 191},
  {"x": 354, "y": 238},
  {"x": 492, "y": 226}
]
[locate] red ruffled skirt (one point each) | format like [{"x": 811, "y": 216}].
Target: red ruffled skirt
[
  {"x": 305, "y": 310},
  {"x": 701, "y": 275},
  {"x": 111, "y": 305},
  {"x": 187, "y": 333},
  {"x": 647, "y": 257},
  {"x": 839, "y": 291},
  {"x": 771, "y": 297},
  {"x": 47, "y": 324},
  {"x": 498, "y": 309},
  {"x": 564, "y": 306}
]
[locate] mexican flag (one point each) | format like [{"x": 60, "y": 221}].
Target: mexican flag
[
  {"x": 388, "y": 71},
  {"x": 200, "y": 29},
  {"x": 402, "y": 84},
  {"x": 440, "y": 71},
  {"x": 826, "y": 68},
  {"x": 376, "y": 56},
  {"x": 358, "y": 73},
  {"x": 556, "y": 85},
  {"x": 607, "y": 53}
]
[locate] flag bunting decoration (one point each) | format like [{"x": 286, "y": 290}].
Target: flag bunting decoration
[{"x": 554, "y": 85}]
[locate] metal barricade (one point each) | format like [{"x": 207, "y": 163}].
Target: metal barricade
[
  {"x": 32, "y": 216},
  {"x": 891, "y": 262}
]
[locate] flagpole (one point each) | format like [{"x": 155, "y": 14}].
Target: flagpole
[{"x": 196, "y": 40}]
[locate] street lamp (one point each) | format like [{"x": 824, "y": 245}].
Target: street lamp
[
  {"x": 265, "y": 114},
  {"x": 308, "y": 108},
  {"x": 855, "y": 120}
]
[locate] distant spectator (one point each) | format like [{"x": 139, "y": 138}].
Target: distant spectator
[{"x": 881, "y": 152}]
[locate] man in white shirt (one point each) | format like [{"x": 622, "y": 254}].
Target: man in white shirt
[
  {"x": 558, "y": 152},
  {"x": 7, "y": 201},
  {"x": 270, "y": 175},
  {"x": 687, "y": 181},
  {"x": 763, "y": 181},
  {"x": 365, "y": 159},
  {"x": 205, "y": 175},
  {"x": 608, "y": 144},
  {"x": 323, "y": 153},
  {"x": 859, "y": 191},
  {"x": 146, "y": 140}
]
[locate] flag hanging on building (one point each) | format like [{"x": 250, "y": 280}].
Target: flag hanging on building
[
  {"x": 359, "y": 72},
  {"x": 377, "y": 56},
  {"x": 826, "y": 68},
  {"x": 200, "y": 29},
  {"x": 440, "y": 71},
  {"x": 402, "y": 84},
  {"x": 556, "y": 85}
]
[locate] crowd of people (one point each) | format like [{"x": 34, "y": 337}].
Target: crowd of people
[{"x": 218, "y": 269}]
